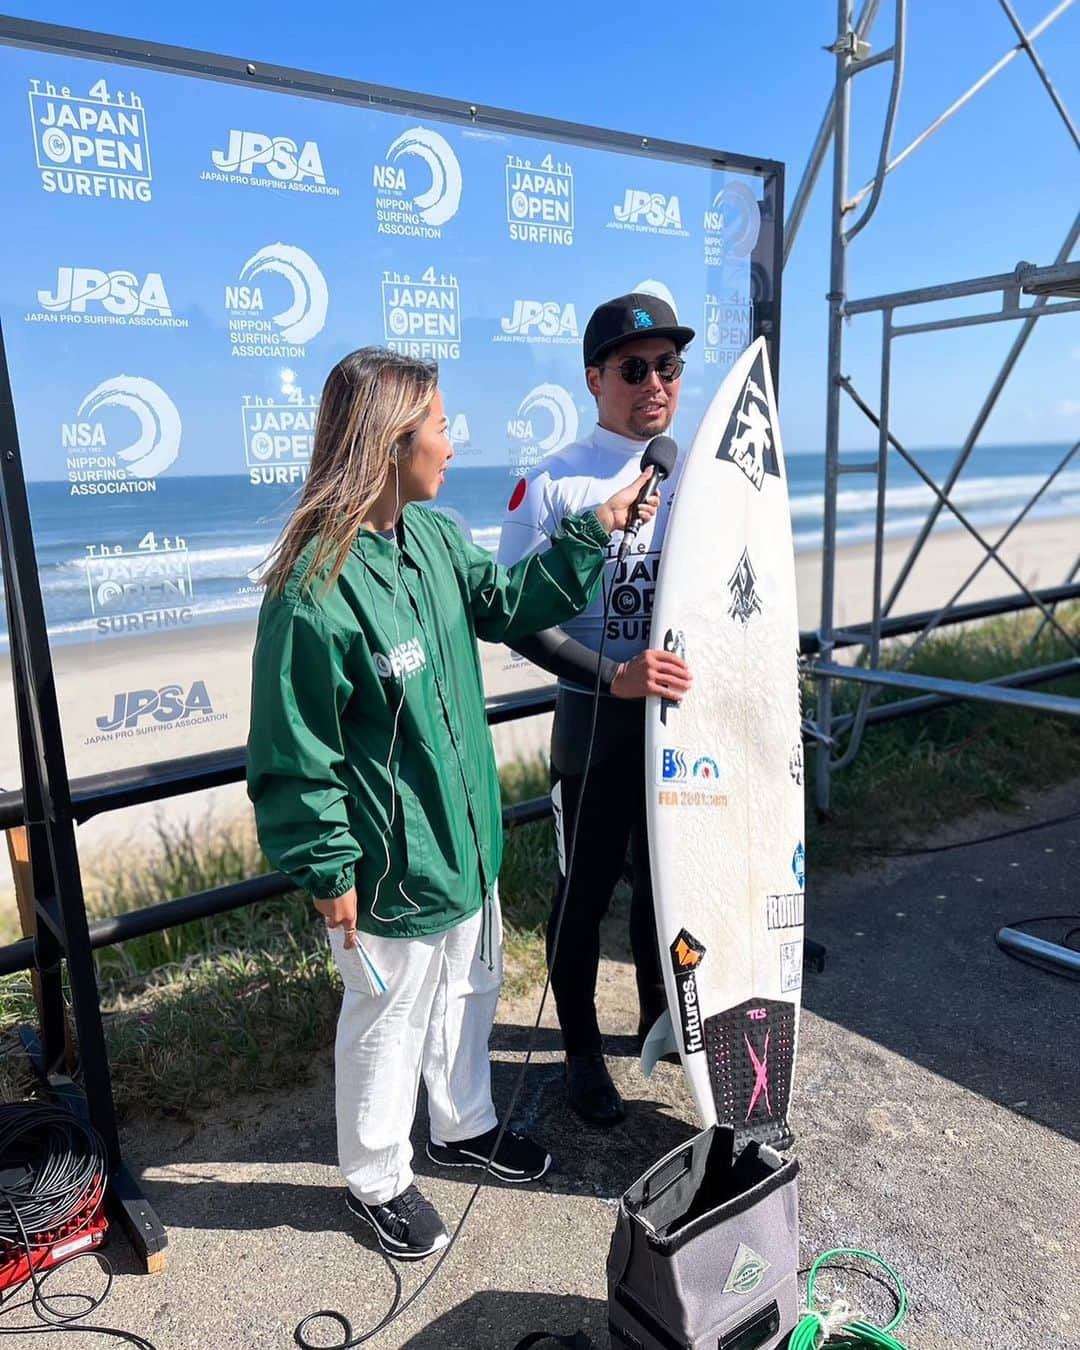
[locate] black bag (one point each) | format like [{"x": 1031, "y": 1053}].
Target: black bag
[{"x": 705, "y": 1250}]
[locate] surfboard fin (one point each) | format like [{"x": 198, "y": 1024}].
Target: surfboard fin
[{"x": 659, "y": 1042}]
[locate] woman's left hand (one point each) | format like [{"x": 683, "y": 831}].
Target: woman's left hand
[{"x": 618, "y": 511}]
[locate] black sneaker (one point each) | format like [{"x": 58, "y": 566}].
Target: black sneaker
[
  {"x": 408, "y": 1227},
  {"x": 518, "y": 1159}
]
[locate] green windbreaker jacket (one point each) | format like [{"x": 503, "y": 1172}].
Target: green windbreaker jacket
[{"x": 369, "y": 759}]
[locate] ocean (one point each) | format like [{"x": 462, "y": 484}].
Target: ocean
[{"x": 189, "y": 552}]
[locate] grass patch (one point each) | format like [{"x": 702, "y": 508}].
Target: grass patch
[{"x": 243, "y": 1000}]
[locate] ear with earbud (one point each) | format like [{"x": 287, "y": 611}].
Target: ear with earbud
[{"x": 393, "y": 453}]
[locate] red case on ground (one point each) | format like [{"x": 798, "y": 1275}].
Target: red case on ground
[{"x": 84, "y": 1231}]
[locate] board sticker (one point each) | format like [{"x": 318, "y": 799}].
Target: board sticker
[
  {"x": 798, "y": 864},
  {"x": 675, "y": 642},
  {"x": 742, "y": 586},
  {"x": 749, "y": 441},
  {"x": 686, "y": 955},
  {"x": 790, "y": 966},
  {"x": 785, "y": 911}
]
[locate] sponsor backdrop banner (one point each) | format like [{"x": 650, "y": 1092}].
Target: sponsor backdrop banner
[{"x": 187, "y": 257}]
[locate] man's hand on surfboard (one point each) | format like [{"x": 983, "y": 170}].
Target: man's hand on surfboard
[
  {"x": 618, "y": 511},
  {"x": 659, "y": 674}
]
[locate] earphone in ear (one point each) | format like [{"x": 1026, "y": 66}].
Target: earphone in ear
[{"x": 393, "y": 453}]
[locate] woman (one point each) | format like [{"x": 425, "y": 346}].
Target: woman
[{"x": 371, "y": 771}]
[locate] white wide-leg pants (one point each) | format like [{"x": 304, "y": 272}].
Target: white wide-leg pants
[{"x": 433, "y": 1017}]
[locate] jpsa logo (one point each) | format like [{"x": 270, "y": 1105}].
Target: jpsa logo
[{"x": 169, "y": 704}]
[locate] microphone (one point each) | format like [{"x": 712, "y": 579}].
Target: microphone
[{"x": 660, "y": 456}]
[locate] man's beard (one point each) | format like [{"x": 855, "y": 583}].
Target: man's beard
[{"x": 645, "y": 428}]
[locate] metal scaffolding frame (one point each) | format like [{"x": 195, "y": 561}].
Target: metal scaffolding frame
[{"x": 839, "y": 738}]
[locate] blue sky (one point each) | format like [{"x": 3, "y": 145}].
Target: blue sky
[{"x": 998, "y": 184}]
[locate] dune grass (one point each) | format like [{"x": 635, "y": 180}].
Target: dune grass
[{"x": 240, "y": 1002}]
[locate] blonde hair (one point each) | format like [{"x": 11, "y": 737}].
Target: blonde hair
[{"x": 372, "y": 402}]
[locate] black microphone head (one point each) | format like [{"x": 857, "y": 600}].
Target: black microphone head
[{"x": 660, "y": 454}]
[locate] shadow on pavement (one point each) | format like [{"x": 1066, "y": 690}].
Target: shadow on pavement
[
  {"x": 497, "y": 1320},
  {"x": 912, "y": 964}
]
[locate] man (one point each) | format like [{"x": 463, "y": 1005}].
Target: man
[{"x": 633, "y": 364}]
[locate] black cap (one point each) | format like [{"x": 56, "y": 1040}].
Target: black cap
[{"x": 627, "y": 317}]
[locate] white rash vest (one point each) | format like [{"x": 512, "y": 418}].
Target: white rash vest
[{"x": 578, "y": 478}]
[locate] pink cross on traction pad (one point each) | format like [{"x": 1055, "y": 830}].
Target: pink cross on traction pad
[{"x": 761, "y": 1070}]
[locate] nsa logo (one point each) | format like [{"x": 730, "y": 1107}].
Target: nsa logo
[
  {"x": 548, "y": 405},
  {"x": 747, "y": 1271},
  {"x": 93, "y": 460},
  {"x": 742, "y": 585},
  {"x": 292, "y": 275},
  {"x": 748, "y": 440},
  {"x": 418, "y": 187}
]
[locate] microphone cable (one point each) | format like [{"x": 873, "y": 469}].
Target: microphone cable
[{"x": 398, "y": 1308}]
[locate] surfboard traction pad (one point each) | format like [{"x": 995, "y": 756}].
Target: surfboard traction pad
[{"x": 751, "y": 1053}]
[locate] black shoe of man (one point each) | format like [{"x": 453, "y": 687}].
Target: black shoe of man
[{"x": 592, "y": 1094}]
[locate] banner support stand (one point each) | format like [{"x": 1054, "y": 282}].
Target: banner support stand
[{"x": 61, "y": 926}]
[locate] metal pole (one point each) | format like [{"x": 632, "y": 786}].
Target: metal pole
[
  {"x": 897, "y": 53},
  {"x": 982, "y": 81},
  {"x": 1055, "y": 97},
  {"x": 874, "y": 645},
  {"x": 981, "y": 418},
  {"x": 821, "y": 143},
  {"x": 1061, "y": 959},
  {"x": 990, "y": 549},
  {"x": 837, "y": 287}
]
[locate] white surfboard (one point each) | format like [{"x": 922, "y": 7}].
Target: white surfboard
[{"x": 724, "y": 768}]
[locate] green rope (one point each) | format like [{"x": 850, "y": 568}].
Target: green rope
[{"x": 814, "y": 1329}]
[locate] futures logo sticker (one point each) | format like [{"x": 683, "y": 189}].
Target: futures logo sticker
[
  {"x": 747, "y": 1271},
  {"x": 748, "y": 440},
  {"x": 686, "y": 955},
  {"x": 745, "y": 601}
]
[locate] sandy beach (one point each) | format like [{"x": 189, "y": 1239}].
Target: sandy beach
[{"x": 209, "y": 668}]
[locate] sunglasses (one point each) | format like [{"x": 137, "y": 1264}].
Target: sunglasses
[{"x": 635, "y": 369}]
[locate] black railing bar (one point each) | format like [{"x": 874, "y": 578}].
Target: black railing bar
[
  {"x": 206, "y": 904},
  {"x": 96, "y": 794}
]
